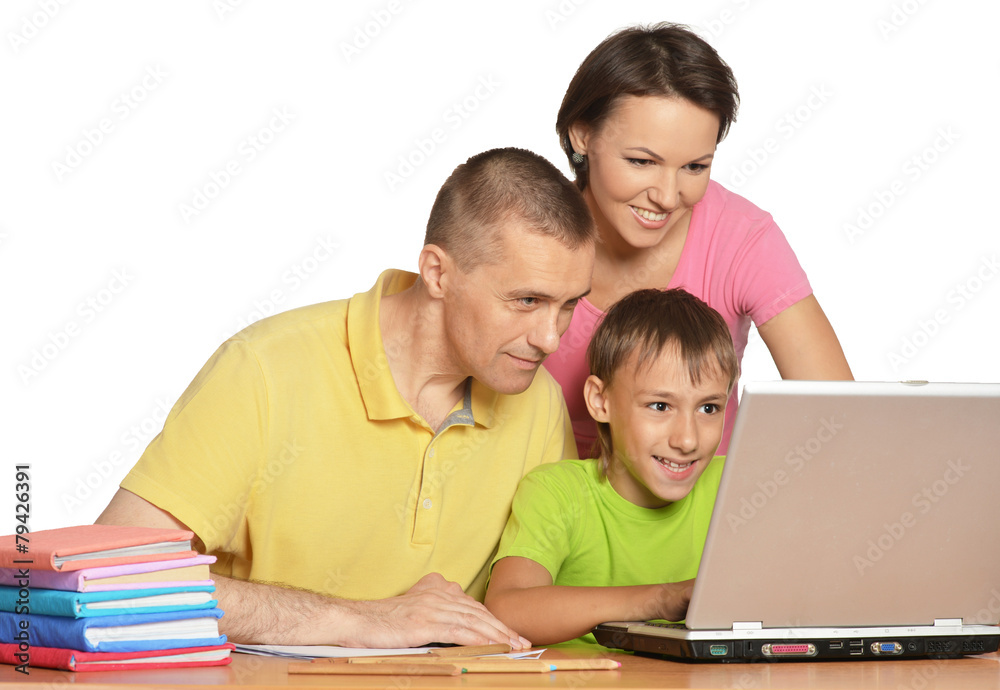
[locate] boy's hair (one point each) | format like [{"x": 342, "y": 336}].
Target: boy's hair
[
  {"x": 501, "y": 186},
  {"x": 648, "y": 321}
]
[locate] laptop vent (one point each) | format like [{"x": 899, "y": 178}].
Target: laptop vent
[{"x": 939, "y": 646}]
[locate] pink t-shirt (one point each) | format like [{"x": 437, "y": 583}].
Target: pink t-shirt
[{"x": 735, "y": 258}]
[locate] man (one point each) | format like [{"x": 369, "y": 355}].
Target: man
[{"x": 352, "y": 464}]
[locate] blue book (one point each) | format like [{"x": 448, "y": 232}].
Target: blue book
[
  {"x": 53, "y": 602},
  {"x": 130, "y": 633}
]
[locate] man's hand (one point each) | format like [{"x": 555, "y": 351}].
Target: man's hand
[{"x": 432, "y": 610}]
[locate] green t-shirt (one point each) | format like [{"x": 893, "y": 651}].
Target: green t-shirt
[{"x": 571, "y": 521}]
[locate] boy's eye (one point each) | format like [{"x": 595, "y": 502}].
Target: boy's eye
[
  {"x": 658, "y": 406},
  {"x": 710, "y": 408}
]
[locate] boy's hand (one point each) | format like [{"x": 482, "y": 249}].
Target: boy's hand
[{"x": 673, "y": 600}]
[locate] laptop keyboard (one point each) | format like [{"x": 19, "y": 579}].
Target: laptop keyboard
[{"x": 664, "y": 624}]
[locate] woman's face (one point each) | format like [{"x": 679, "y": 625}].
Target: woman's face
[{"x": 649, "y": 163}]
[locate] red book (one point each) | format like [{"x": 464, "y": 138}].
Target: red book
[
  {"x": 89, "y": 546},
  {"x": 74, "y": 660}
]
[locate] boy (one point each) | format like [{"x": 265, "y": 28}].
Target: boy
[{"x": 620, "y": 537}]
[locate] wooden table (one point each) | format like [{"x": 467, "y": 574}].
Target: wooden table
[{"x": 637, "y": 673}]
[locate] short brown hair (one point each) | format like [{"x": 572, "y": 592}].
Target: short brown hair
[
  {"x": 648, "y": 321},
  {"x": 658, "y": 60},
  {"x": 504, "y": 185}
]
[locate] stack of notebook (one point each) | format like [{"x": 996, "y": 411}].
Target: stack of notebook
[{"x": 101, "y": 597}]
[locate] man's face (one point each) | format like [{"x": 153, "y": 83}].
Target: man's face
[{"x": 504, "y": 317}]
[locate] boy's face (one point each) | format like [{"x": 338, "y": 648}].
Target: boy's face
[{"x": 664, "y": 428}]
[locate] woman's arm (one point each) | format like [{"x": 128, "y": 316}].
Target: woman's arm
[
  {"x": 803, "y": 344},
  {"x": 522, "y": 596}
]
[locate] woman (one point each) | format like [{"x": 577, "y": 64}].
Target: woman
[{"x": 640, "y": 122}]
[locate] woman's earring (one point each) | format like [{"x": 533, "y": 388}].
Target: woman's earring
[{"x": 578, "y": 157}]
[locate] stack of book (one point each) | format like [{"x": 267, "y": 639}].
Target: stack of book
[{"x": 102, "y": 597}]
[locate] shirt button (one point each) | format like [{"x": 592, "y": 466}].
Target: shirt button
[
  {"x": 430, "y": 453},
  {"x": 428, "y": 504}
]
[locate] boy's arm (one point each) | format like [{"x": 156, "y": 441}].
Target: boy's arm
[{"x": 521, "y": 594}]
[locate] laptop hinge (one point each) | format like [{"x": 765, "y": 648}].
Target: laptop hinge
[
  {"x": 748, "y": 625},
  {"x": 947, "y": 621}
]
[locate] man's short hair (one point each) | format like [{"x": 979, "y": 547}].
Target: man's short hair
[
  {"x": 645, "y": 323},
  {"x": 499, "y": 186}
]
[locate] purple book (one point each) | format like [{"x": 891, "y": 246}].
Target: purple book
[{"x": 182, "y": 572}]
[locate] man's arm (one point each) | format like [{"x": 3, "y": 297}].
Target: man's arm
[
  {"x": 433, "y": 610},
  {"x": 521, "y": 594}
]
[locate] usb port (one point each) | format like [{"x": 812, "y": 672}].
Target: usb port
[
  {"x": 857, "y": 647},
  {"x": 837, "y": 644}
]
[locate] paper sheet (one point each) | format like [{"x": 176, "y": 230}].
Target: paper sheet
[{"x": 307, "y": 652}]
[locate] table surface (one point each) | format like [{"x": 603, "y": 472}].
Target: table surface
[{"x": 637, "y": 673}]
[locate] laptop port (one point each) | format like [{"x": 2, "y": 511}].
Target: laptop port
[
  {"x": 837, "y": 644},
  {"x": 718, "y": 649},
  {"x": 886, "y": 648},
  {"x": 788, "y": 650},
  {"x": 857, "y": 647}
]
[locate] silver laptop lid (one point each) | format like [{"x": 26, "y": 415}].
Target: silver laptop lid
[{"x": 856, "y": 504}]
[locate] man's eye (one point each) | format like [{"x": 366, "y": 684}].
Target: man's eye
[{"x": 528, "y": 301}]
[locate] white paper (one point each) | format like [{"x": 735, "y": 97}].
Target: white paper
[{"x": 327, "y": 652}]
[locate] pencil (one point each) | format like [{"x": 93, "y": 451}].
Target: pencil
[
  {"x": 398, "y": 669},
  {"x": 535, "y": 665},
  {"x": 472, "y": 650}
]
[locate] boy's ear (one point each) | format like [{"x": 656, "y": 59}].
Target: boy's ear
[{"x": 595, "y": 395}]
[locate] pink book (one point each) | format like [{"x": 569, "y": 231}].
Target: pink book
[
  {"x": 75, "y": 660},
  {"x": 179, "y": 572},
  {"x": 89, "y": 546}
]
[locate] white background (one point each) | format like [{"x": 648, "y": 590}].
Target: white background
[{"x": 114, "y": 295}]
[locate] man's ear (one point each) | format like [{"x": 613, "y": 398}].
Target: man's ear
[
  {"x": 579, "y": 136},
  {"x": 595, "y": 394},
  {"x": 434, "y": 265}
]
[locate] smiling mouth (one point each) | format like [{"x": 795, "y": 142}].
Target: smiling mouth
[
  {"x": 526, "y": 361},
  {"x": 674, "y": 466},
  {"x": 649, "y": 215}
]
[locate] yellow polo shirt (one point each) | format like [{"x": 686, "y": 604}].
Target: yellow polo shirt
[{"x": 296, "y": 461}]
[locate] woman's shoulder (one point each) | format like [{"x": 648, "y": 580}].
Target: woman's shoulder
[{"x": 720, "y": 203}]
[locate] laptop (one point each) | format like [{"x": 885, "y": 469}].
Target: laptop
[{"x": 854, "y": 520}]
